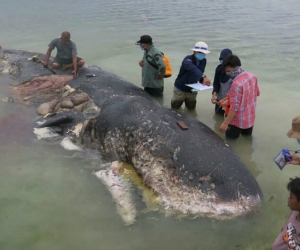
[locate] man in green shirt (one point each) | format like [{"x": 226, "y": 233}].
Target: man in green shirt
[
  {"x": 153, "y": 67},
  {"x": 66, "y": 57}
]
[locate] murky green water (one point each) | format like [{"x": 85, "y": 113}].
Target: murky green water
[{"x": 49, "y": 199}]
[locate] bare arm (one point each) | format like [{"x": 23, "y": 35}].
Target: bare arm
[
  {"x": 224, "y": 125},
  {"x": 214, "y": 97},
  {"x": 74, "y": 57},
  {"x": 48, "y": 54}
]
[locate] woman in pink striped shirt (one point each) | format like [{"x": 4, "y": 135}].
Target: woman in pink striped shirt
[{"x": 243, "y": 95}]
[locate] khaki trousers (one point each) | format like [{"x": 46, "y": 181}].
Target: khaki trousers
[{"x": 188, "y": 98}]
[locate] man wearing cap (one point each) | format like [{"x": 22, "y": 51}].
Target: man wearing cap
[
  {"x": 153, "y": 67},
  {"x": 191, "y": 71},
  {"x": 294, "y": 132},
  {"x": 222, "y": 82},
  {"x": 243, "y": 95},
  {"x": 66, "y": 57}
]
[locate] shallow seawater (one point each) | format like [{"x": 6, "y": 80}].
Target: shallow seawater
[{"x": 49, "y": 198}]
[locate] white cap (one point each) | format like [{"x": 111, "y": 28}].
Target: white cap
[{"x": 201, "y": 47}]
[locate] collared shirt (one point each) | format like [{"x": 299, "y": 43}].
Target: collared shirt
[
  {"x": 149, "y": 72},
  {"x": 243, "y": 94},
  {"x": 191, "y": 71}
]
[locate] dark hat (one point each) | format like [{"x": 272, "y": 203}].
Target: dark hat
[
  {"x": 224, "y": 53},
  {"x": 144, "y": 39}
]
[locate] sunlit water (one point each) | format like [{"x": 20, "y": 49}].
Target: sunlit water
[{"x": 49, "y": 198}]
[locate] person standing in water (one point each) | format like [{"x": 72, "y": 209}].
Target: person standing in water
[
  {"x": 152, "y": 77},
  {"x": 243, "y": 97},
  {"x": 222, "y": 82},
  {"x": 191, "y": 71}
]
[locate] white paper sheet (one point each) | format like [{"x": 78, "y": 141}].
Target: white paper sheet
[{"x": 199, "y": 87}]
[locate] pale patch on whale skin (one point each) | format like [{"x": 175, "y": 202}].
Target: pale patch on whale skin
[
  {"x": 44, "y": 133},
  {"x": 68, "y": 144},
  {"x": 77, "y": 129},
  {"x": 120, "y": 189},
  {"x": 4, "y": 66}
]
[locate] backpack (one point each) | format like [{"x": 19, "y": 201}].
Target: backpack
[{"x": 168, "y": 71}]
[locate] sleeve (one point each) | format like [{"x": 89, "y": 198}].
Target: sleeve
[
  {"x": 195, "y": 74},
  {"x": 74, "y": 49},
  {"x": 216, "y": 83},
  {"x": 53, "y": 43},
  {"x": 161, "y": 66}
]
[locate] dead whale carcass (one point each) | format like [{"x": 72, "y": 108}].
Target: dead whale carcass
[{"x": 193, "y": 172}]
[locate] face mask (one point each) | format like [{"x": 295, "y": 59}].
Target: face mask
[
  {"x": 141, "y": 47},
  {"x": 200, "y": 56},
  {"x": 236, "y": 71},
  {"x": 298, "y": 141},
  {"x": 221, "y": 61},
  {"x": 230, "y": 74}
]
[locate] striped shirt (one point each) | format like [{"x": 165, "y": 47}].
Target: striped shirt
[{"x": 243, "y": 94}]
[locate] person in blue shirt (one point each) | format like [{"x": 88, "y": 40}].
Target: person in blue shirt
[{"x": 191, "y": 71}]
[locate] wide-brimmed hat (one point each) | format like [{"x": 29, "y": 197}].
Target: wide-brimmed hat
[
  {"x": 295, "y": 131},
  {"x": 144, "y": 39},
  {"x": 201, "y": 47},
  {"x": 224, "y": 53}
]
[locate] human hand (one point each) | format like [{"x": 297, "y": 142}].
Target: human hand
[
  {"x": 74, "y": 72},
  {"x": 206, "y": 81},
  {"x": 141, "y": 63},
  {"x": 45, "y": 63},
  {"x": 223, "y": 127},
  {"x": 159, "y": 77},
  {"x": 295, "y": 159},
  {"x": 214, "y": 99},
  {"x": 221, "y": 101}
]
